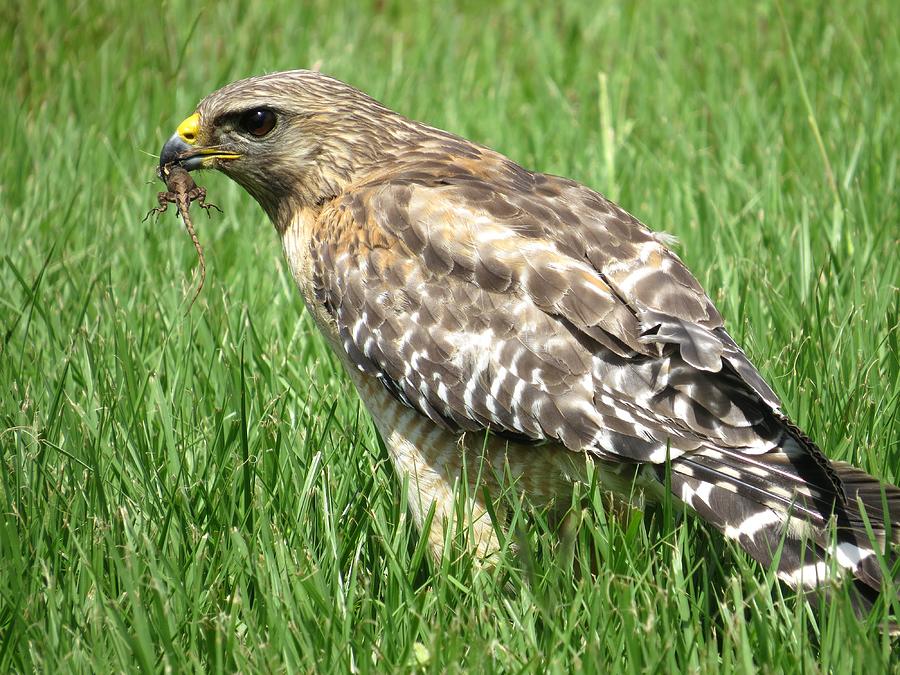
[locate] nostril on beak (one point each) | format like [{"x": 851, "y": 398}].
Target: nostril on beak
[{"x": 188, "y": 129}]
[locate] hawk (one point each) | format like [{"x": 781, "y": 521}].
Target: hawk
[{"x": 495, "y": 317}]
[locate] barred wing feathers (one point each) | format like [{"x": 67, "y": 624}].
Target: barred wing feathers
[{"x": 489, "y": 297}]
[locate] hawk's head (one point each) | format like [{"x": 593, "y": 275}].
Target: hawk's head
[{"x": 291, "y": 139}]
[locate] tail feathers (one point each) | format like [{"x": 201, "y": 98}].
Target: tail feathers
[
  {"x": 881, "y": 502},
  {"x": 814, "y": 519}
]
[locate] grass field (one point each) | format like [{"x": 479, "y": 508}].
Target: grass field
[{"x": 202, "y": 491}]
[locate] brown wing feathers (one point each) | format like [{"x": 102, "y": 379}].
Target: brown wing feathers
[
  {"x": 512, "y": 332},
  {"x": 530, "y": 306}
]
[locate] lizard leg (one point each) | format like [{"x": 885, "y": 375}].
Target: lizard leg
[
  {"x": 201, "y": 200},
  {"x": 163, "y": 199}
]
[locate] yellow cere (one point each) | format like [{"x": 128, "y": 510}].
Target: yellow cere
[{"x": 188, "y": 129}]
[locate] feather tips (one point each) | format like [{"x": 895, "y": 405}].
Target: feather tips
[{"x": 530, "y": 305}]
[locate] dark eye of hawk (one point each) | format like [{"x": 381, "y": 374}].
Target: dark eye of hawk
[{"x": 258, "y": 122}]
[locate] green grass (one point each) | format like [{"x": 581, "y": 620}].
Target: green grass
[{"x": 202, "y": 491}]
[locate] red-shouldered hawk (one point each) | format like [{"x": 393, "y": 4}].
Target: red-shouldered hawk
[{"x": 501, "y": 318}]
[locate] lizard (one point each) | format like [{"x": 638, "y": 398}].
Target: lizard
[{"x": 182, "y": 191}]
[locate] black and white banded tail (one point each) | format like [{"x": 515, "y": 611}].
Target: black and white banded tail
[{"x": 823, "y": 521}]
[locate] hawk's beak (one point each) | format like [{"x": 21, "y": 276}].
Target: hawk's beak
[{"x": 182, "y": 148}]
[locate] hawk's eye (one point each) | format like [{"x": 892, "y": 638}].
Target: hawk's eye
[{"x": 258, "y": 122}]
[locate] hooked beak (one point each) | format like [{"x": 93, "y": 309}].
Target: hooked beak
[{"x": 182, "y": 148}]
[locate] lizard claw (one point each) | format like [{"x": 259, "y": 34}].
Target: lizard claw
[
  {"x": 207, "y": 206},
  {"x": 157, "y": 211}
]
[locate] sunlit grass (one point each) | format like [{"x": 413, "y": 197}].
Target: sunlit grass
[{"x": 204, "y": 492}]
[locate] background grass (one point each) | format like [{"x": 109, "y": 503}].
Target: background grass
[{"x": 203, "y": 492}]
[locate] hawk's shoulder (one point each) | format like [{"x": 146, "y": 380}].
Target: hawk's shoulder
[{"x": 488, "y": 296}]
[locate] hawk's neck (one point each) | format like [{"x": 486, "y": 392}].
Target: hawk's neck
[{"x": 296, "y": 241}]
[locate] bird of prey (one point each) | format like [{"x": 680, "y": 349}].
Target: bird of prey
[{"x": 499, "y": 322}]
